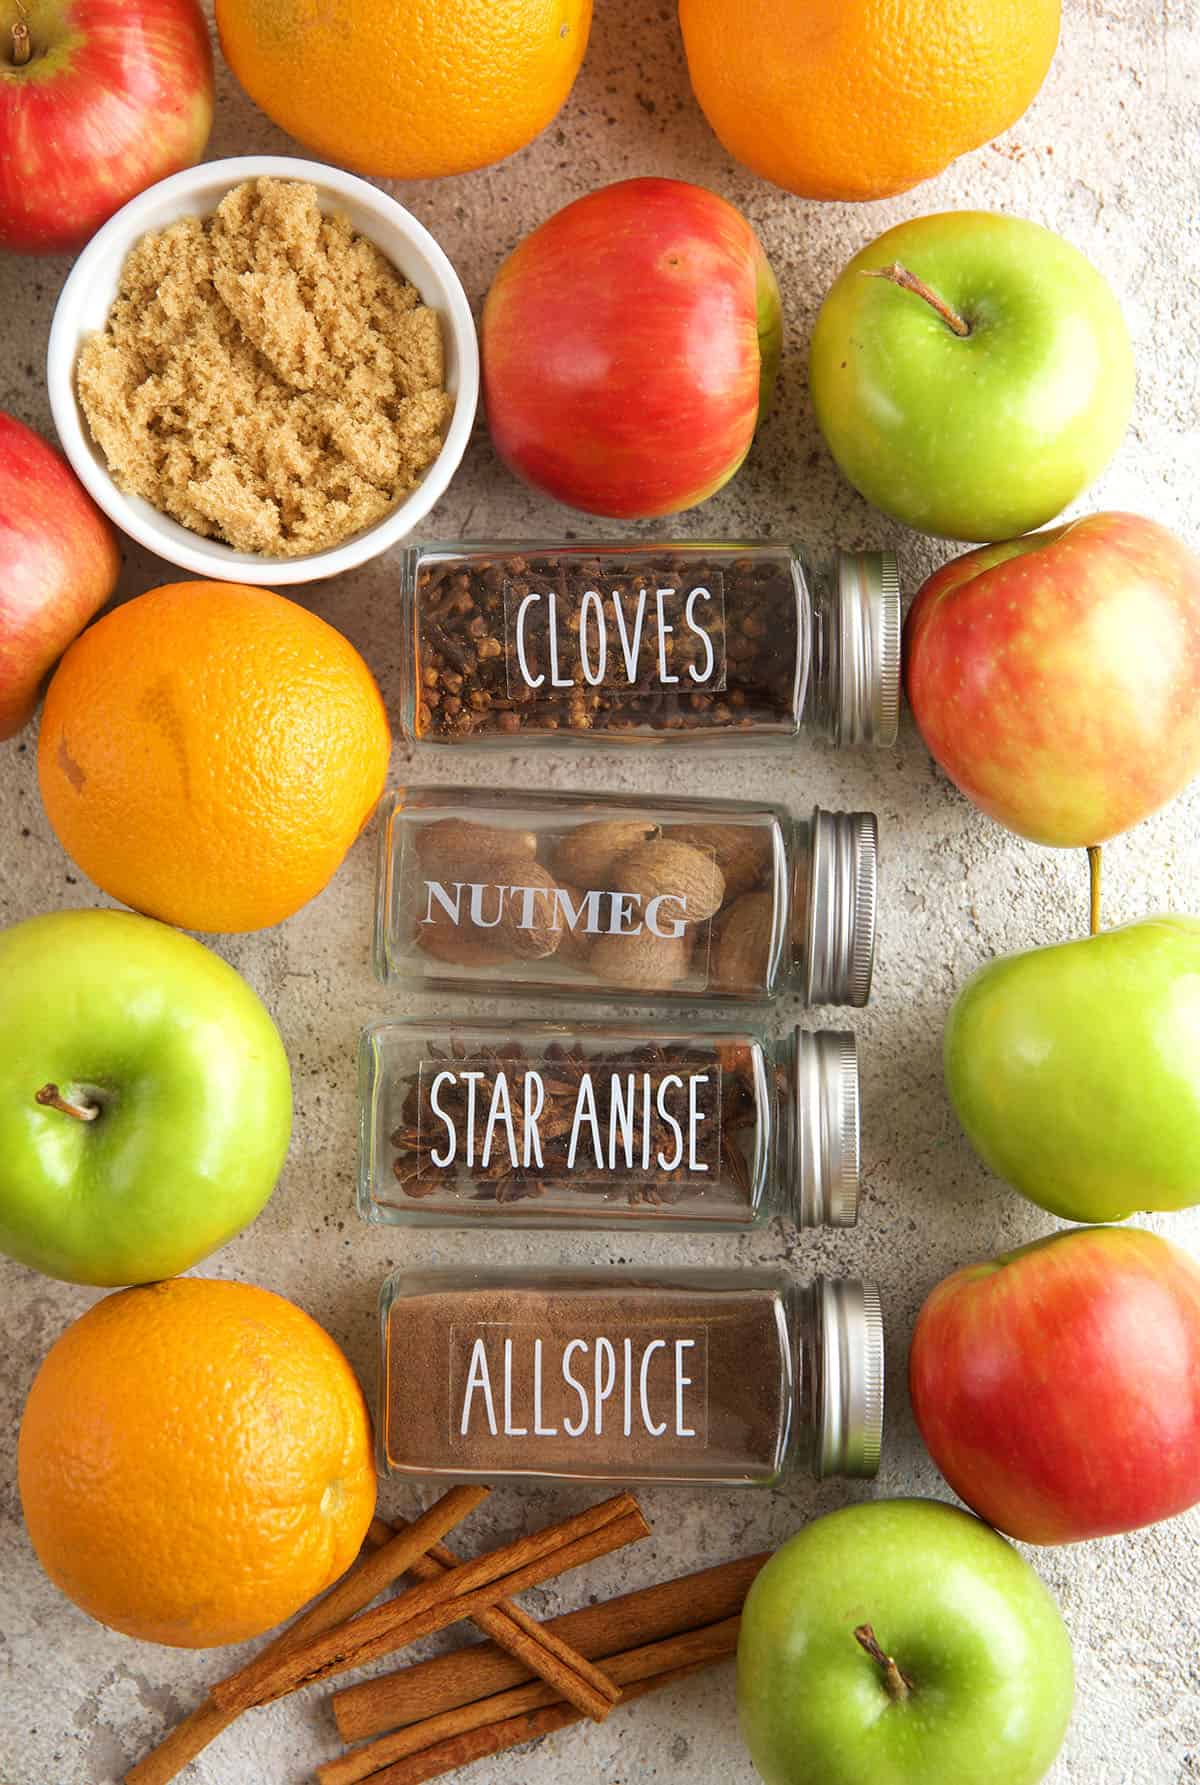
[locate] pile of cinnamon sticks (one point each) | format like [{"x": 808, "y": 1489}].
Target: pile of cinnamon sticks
[{"x": 528, "y": 1679}]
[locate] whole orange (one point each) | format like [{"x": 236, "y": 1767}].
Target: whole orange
[
  {"x": 209, "y": 752},
  {"x": 407, "y": 88},
  {"x": 195, "y": 1462},
  {"x": 859, "y": 99}
]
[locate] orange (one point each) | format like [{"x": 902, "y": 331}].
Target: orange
[
  {"x": 407, "y": 88},
  {"x": 195, "y": 1462},
  {"x": 209, "y": 752},
  {"x": 858, "y": 99}
]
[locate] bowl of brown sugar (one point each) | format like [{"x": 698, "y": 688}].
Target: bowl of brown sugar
[{"x": 264, "y": 370}]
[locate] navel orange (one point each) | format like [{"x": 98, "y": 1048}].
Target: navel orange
[
  {"x": 859, "y": 99},
  {"x": 195, "y": 1462},
  {"x": 407, "y": 88},
  {"x": 209, "y": 752}
]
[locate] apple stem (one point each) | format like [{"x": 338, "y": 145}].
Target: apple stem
[
  {"x": 1094, "y": 858},
  {"x": 896, "y": 1681},
  {"x": 900, "y": 275},
  {"x": 50, "y": 1097},
  {"x": 22, "y": 47}
]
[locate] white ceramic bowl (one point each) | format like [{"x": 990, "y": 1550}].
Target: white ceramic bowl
[{"x": 84, "y": 304}]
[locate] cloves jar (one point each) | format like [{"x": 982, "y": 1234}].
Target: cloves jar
[
  {"x": 648, "y": 643},
  {"x": 532, "y": 1124},
  {"x": 726, "y": 1378},
  {"x": 618, "y": 896}
]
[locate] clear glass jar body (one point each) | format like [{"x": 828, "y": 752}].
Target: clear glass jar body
[
  {"x": 611, "y": 1375},
  {"x": 530, "y": 1124},
  {"x": 720, "y": 901},
  {"x": 648, "y": 643}
]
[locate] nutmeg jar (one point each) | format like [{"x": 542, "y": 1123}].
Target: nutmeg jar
[
  {"x": 618, "y": 896},
  {"x": 648, "y": 643},
  {"x": 533, "y": 1124}
]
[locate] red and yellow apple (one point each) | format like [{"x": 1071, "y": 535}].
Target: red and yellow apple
[
  {"x": 630, "y": 346},
  {"x": 1056, "y": 677},
  {"x": 1058, "y": 1386},
  {"x": 58, "y": 565},
  {"x": 98, "y": 99}
]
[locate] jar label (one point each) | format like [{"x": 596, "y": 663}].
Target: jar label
[
  {"x": 611, "y": 1121},
  {"x": 628, "y": 633},
  {"x": 587, "y": 1390}
]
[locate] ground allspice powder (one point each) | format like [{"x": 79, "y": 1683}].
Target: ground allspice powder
[
  {"x": 615, "y": 1381},
  {"x": 266, "y": 376}
]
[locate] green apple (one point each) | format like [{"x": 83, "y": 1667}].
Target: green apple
[
  {"x": 902, "y": 1642},
  {"x": 1075, "y": 1070},
  {"x": 145, "y": 1098},
  {"x": 980, "y": 394}
]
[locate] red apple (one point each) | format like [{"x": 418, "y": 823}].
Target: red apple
[
  {"x": 630, "y": 347},
  {"x": 98, "y": 99},
  {"x": 1058, "y": 1387},
  {"x": 1056, "y": 678},
  {"x": 58, "y": 565}
]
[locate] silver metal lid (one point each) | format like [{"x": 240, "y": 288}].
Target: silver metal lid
[
  {"x": 866, "y": 691},
  {"x": 827, "y": 1129},
  {"x": 842, "y": 889},
  {"x": 848, "y": 1405}
]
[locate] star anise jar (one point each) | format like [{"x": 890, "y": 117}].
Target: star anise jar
[
  {"x": 535, "y": 1124},
  {"x": 606, "y": 896},
  {"x": 648, "y": 643}
]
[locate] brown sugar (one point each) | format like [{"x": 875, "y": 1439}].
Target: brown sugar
[{"x": 265, "y": 375}]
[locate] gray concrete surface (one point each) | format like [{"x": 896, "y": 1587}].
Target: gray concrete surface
[{"x": 1107, "y": 156}]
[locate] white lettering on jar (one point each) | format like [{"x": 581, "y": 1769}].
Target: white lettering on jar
[
  {"x": 532, "y": 907},
  {"x": 602, "y": 639},
  {"x": 653, "y": 1385},
  {"x": 504, "y": 1126}
]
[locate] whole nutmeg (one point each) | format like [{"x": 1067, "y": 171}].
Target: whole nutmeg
[
  {"x": 574, "y": 945},
  {"x": 459, "y": 849},
  {"x": 643, "y": 960},
  {"x": 742, "y": 956},
  {"x": 588, "y": 853},
  {"x": 449, "y": 942},
  {"x": 676, "y": 870},
  {"x": 531, "y": 925},
  {"x": 742, "y": 851}
]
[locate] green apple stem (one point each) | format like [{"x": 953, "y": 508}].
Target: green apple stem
[
  {"x": 900, "y": 275},
  {"x": 895, "y": 1680},
  {"x": 22, "y": 47},
  {"x": 50, "y": 1097},
  {"x": 1094, "y": 855}
]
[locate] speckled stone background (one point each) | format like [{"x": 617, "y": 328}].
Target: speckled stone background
[{"x": 1107, "y": 155}]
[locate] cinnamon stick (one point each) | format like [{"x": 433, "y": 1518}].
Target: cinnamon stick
[
  {"x": 530, "y": 1643},
  {"x": 434, "y": 1604},
  {"x": 494, "y": 1738},
  {"x": 376, "y": 1570},
  {"x": 712, "y": 1642},
  {"x": 425, "y": 1688}
]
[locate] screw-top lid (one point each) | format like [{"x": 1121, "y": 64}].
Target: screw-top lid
[
  {"x": 843, "y": 865},
  {"x": 865, "y": 695},
  {"x": 848, "y": 1403},
  {"x": 827, "y": 1129}
]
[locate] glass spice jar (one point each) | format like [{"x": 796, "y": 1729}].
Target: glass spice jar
[
  {"x": 648, "y": 643},
  {"x": 597, "y": 896},
  {"x": 732, "y": 1379},
  {"x": 605, "y": 1126}
]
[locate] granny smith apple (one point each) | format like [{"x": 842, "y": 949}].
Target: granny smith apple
[
  {"x": 1056, "y": 678},
  {"x": 1058, "y": 1386},
  {"x": 902, "y": 1642},
  {"x": 971, "y": 374},
  {"x": 1075, "y": 1070},
  {"x": 145, "y": 1098}
]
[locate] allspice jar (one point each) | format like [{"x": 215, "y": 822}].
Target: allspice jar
[
  {"x": 733, "y": 1379},
  {"x": 717, "y": 901},
  {"x": 521, "y": 1123},
  {"x": 648, "y": 643}
]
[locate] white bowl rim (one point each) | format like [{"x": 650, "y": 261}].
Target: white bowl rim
[{"x": 207, "y": 558}]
